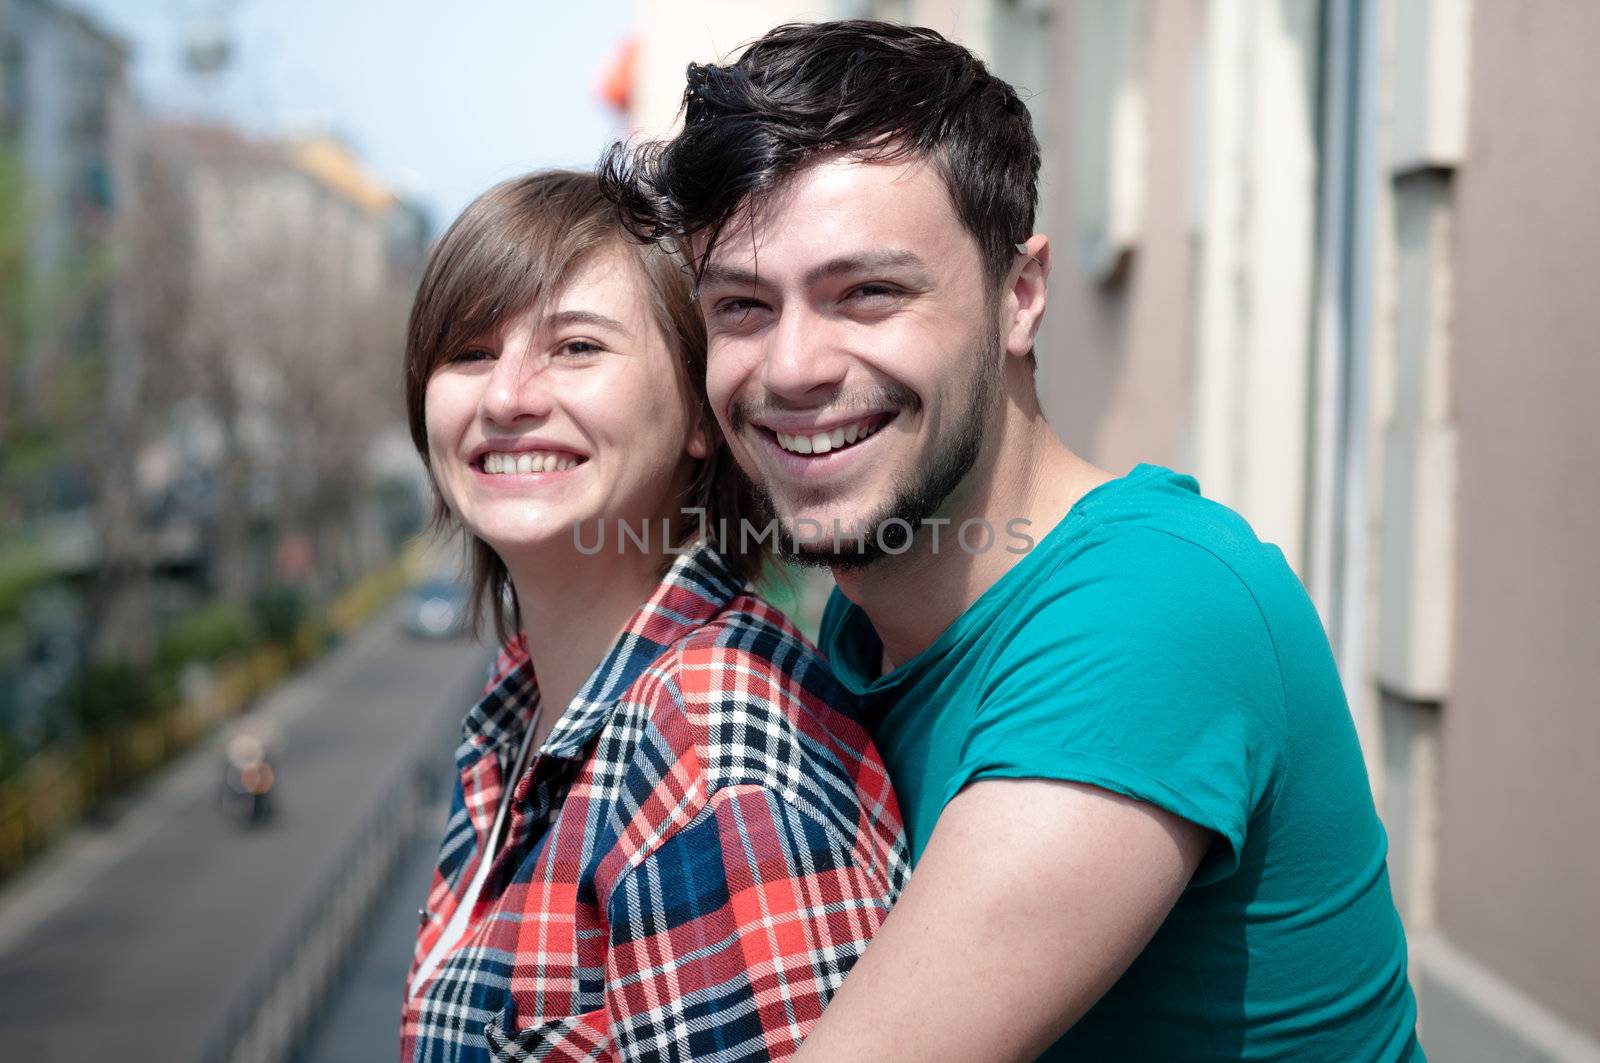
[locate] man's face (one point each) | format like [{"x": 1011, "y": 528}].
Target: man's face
[{"x": 854, "y": 353}]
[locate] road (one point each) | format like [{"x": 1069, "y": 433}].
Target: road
[
  {"x": 362, "y": 1020},
  {"x": 131, "y": 940}
]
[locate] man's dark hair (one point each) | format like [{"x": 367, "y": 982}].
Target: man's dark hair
[{"x": 880, "y": 90}]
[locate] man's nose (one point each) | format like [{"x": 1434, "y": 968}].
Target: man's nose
[{"x": 801, "y": 357}]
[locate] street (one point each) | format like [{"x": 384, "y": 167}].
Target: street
[
  {"x": 362, "y": 1020},
  {"x": 134, "y": 937}
]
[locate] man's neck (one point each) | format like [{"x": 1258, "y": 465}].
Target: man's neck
[{"x": 1026, "y": 486}]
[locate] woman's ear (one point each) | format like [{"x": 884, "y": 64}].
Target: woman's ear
[{"x": 699, "y": 442}]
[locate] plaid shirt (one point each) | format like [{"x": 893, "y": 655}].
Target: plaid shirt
[{"x": 697, "y": 856}]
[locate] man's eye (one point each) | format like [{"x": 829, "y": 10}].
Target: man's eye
[{"x": 874, "y": 294}]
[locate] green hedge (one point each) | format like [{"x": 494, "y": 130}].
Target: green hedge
[
  {"x": 23, "y": 566},
  {"x": 279, "y": 613},
  {"x": 206, "y": 635},
  {"x": 109, "y": 693}
]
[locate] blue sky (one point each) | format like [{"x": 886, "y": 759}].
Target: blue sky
[{"x": 442, "y": 100}]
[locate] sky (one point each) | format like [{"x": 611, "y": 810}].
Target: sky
[{"x": 441, "y": 100}]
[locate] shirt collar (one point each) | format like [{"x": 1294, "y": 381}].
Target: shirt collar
[{"x": 695, "y": 589}]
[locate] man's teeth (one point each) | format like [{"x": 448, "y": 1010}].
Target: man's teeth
[
  {"x": 527, "y": 461},
  {"x": 822, "y": 442}
]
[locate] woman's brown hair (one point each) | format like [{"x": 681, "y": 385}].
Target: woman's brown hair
[{"x": 512, "y": 249}]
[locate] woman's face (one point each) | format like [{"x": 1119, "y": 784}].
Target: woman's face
[{"x": 576, "y": 418}]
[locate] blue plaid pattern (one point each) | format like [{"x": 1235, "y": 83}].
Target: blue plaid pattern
[{"x": 697, "y": 856}]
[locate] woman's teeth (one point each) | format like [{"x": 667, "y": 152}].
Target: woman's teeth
[
  {"x": 527, "y": 461},
  {"x": 822, "y": 442}
]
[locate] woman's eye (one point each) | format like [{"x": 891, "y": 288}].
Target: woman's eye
[
  {"x": 736, "y": 309},
  {"x": 579, "y": 348},
  {"x": 471, "y": 354}
]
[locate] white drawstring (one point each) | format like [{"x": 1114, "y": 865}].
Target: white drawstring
[{"x": 463, "y": 911}]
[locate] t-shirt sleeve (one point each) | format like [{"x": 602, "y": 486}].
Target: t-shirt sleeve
[{"x": 1150, "y": 672}]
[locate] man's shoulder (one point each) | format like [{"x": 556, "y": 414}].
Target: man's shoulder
[
  {"x": 1156, "y": 541},
  {"x": 1208, "y": 559},
  {"x": 1161, "y": 515},
  {"x": 1151, "y": 588},
  {"x": 1143, "y": 579}
]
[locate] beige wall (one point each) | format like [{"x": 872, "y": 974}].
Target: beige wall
[
  {"x": 1477, "y": 643},
  {"x": 1180, "y": 326},
  {"x": 1115, "y": 355},
  {"x": 1519, "y": 856}
]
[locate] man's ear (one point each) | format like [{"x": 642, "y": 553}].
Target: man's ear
[{"x": 1025, "y": 295}]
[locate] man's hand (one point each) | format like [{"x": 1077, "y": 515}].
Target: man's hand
[{"x": 1031, "y": 899}]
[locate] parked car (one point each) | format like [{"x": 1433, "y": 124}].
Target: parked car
[{"x": 436, "y": 609}]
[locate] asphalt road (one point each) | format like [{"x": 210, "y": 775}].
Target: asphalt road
[
  {"x": 133, "y": 938},
  {"x": 362, "y": 1020}
]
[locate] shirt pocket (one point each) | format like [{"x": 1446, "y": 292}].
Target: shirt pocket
[{"x": 585, "y": 1037}]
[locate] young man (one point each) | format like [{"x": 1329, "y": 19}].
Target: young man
[{"x": 1129, "y": 776}]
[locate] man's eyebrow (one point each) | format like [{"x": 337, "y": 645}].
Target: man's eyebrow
[
  {"x": 726, "y": 276},
  {"x": 565, "y": 318},
  {"x": 866, "y": 261}
]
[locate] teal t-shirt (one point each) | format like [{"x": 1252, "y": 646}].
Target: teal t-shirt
[{"x": 1152, "y": 646}]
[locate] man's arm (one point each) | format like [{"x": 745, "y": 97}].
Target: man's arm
[{"x": 1031, "y": 899}]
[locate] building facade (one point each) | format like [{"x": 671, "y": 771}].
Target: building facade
[
  {"x": 294, "y": 267},
  {"x": 67, "y": 127},
  {"x": 1336, "y": 260},
  {"x": 68, "y": 124}
]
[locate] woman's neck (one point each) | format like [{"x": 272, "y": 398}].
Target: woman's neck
[{"x": 573, "y": 608}]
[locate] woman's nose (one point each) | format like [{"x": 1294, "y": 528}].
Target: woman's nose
[{"x": 517, "y": 387}]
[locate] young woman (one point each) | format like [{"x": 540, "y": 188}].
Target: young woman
[{"x": 670, "y": 837}]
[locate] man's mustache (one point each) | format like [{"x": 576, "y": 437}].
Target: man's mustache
[{"x": 861, "y": 400}]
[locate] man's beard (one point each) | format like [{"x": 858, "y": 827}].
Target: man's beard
[{"x": 914, "y": 498}]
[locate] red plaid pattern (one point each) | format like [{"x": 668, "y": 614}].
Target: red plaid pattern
[{"x": 696, "y": 858}]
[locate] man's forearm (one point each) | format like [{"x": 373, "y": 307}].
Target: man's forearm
[{"x": 1031, "y": 900}]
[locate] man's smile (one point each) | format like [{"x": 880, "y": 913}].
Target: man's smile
[{"x": 806, "y": 452}]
